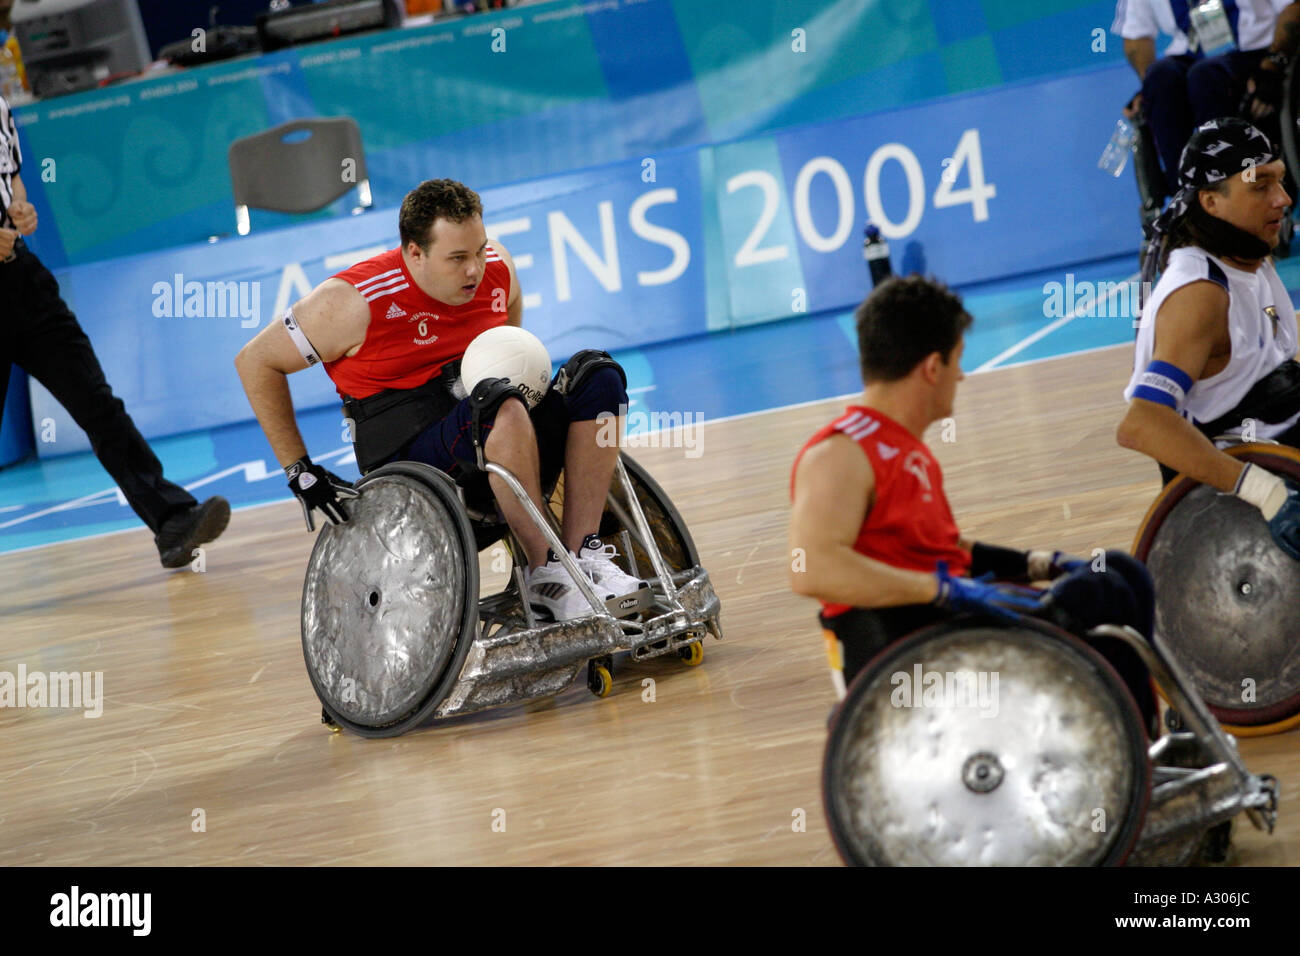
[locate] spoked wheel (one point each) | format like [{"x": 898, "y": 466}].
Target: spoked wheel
[
  {"x": 1227, "y": 600},
  {"x": 967, "y": 744},
  {"x": 390, "y": 602}
]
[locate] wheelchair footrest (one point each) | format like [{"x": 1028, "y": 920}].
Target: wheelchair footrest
[{"x": 628, "y": 605}]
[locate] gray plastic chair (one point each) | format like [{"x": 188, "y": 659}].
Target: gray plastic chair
[{"x": 282, "y": 171}]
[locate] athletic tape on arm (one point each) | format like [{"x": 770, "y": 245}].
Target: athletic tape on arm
[
  {"x": 305, "y": 348},
  {"x": 1164, "y": 384}
]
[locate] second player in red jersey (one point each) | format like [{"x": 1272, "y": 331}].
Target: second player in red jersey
[{"x": 872, "y": 535}]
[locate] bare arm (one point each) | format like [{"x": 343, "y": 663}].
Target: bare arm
[
  {"x": 334, "y": 317},
  {"x": 832, "y": 486},
  {"x": 1140, "y": 53},
  {"x": 514, "y": 307},
  {"x": 22, "y": 212},
  {"x": 1188, "y": 325},
  {"x": 1286, "y": 34}
]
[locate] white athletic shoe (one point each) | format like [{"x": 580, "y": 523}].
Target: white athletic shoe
[
  {"x": 597, "y": 560},
  {"x": 552, "y": 591}
]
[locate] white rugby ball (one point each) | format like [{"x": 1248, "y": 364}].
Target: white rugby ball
[{"x": 511, "y": 353}]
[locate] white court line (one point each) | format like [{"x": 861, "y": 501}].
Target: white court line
[
  {"x": 1053, "y": 326},
  {"x": 710, "y": 421}
]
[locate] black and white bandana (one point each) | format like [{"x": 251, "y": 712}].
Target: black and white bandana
[{"x": 1218, "y": 149}]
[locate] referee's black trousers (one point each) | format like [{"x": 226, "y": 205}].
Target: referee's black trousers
[{"x": 39, "y": 334}]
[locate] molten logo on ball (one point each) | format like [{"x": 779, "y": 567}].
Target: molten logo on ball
[{"x": 511, "y": 353}]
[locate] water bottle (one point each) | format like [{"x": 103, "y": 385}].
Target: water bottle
[
  {"x": 876, "y": 251},
  {"x": 1115, "y": 156}
]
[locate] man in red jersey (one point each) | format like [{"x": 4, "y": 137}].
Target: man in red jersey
[
  {"x": 391, "y": 331},
  {"x": 881, "y": 550}
]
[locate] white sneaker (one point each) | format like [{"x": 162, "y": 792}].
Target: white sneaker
[
  {"x": 551, "y": 590},
  {"x": 597, "y": 560}
]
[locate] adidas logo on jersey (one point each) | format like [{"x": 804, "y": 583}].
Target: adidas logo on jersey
[
  {"x": 886, "y": 451},
  {"x": 394, "y": 312}
]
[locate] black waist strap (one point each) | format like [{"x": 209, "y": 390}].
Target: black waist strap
[
  {"x": 383, "y": 423},
  {"x": 1273, "y": 399}
]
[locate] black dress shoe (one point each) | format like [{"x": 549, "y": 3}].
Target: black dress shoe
[{"x": 183, "y": 532}]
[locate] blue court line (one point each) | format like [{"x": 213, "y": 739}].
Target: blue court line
[{"x": 718, "y": 375}]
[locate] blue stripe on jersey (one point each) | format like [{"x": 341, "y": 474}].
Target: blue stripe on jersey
[
  {"x": 1217, "y": 276},
  {"x": 1182, "y": 16},
  {"x": 1230, "y": 8}
]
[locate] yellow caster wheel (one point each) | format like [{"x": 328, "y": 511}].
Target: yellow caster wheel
[
  {"x": 692, "y": 655},
  {"x": 329, "y": 723},
  {"x": 599, "y": 680}
]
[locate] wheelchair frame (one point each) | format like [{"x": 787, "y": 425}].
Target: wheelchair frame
[
  {"x": 503, "y": 654},
  {"x": 1198, "y": 778},
  {"x": 515, "y": 657},
  {"x": 1198, "y": 781}
]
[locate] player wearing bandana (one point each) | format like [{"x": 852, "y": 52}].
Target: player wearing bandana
[{"x": 1216, "y": 346}]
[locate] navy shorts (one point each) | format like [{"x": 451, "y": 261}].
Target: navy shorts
[{"x": 448, "y": 445}]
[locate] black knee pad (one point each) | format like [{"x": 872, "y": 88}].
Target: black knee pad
[
  {"x": 1119, "y": 594},
  {"x": 588, "y": 389},
  {"x": 484, "y": 402}
]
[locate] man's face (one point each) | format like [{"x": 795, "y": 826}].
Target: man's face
[
  {"x": 451, "y": 269},
  {"x": 949, "y": 375},
  {"x": 1255, "y": 202}
]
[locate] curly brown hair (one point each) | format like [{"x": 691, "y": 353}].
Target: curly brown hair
[{"x": 435, "y": 199}]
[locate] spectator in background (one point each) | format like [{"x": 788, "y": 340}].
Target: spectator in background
[{"x": 1184, "y": 88}]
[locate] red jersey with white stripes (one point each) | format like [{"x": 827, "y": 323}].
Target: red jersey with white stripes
[
  {"x": 413, "y": 335},
  {"x": 909, "y": 524}
]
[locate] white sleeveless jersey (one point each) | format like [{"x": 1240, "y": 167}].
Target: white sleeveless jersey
[{"x": 1260, "y": 342}]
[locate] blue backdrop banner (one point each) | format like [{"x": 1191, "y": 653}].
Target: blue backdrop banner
[
  {"x": 686, "y": 241},
  {"x": 519, "y": 94}
]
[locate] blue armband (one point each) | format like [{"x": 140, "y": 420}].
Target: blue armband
[{"x": 1164, "y": 384}]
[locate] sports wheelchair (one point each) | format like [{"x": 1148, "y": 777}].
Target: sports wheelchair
[
  {"x": 1052, "y": 768},
  {"x": 394, "y": 632},
  {"x": 1227, "y": 597}
]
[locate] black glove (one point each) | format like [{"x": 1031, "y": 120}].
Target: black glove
[
  {"x": 314, "y": 487},
  {"x": 1268, "y": 91}
]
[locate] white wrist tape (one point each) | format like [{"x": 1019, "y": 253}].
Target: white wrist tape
[
  {"x": 1264, "y": 490},
  {"x": 1040, "y": 564},
  {"x": 305, "y": 348}
]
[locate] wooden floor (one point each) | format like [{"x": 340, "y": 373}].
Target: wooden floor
[{"x": 208, "y": 706}]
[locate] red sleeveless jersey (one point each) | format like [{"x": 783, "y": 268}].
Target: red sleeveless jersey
[
  {"x": 909, "y": 525},
  {"x": 412, "y": 335}
]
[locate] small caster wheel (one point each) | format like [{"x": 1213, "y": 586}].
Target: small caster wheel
[
  {"x": 692, "y": 655},
  {"x": 328, "y": 721},
  {"x": 599, "y": 680},
  {"x": 1174, "y": 720}
]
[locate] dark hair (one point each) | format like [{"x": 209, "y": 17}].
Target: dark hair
[
  {"x": 903, "y": 321},
  {"x": 435, "y": 199},
  {"x": 1185, "y": 232}
]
